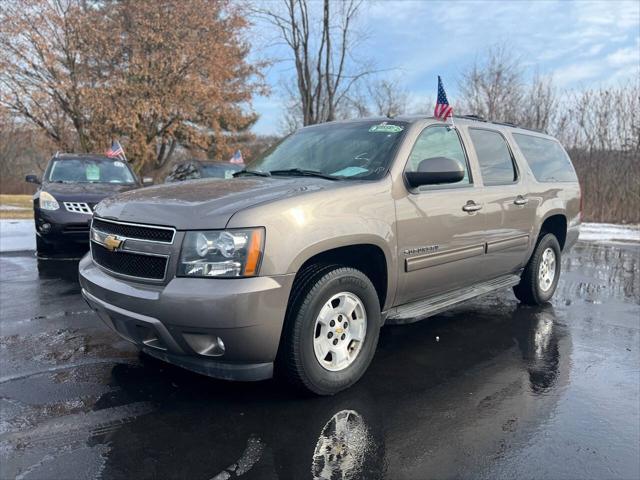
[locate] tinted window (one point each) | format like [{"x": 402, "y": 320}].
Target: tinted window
[
  {"x": 547, "y": 159},
  {"x": 494, "y": 157},
  {"x": 438, "y": 142},
  {"x": 89, "y": 170},
  {"x": 359, "y": 150}
]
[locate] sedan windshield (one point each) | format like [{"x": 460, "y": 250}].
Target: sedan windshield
[
  {"x": 358, "y": 150},
  {"x": 90, "y": 170}
]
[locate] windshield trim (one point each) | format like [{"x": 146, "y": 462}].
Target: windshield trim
[
  {"x": 54, "y": 161},
  {"x": 374, "y": 176}
]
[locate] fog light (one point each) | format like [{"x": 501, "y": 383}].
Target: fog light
[
  {"x": 205, "y": 344},
  {"x": 45, "y": 228}
]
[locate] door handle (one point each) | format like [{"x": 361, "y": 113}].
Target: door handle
[
  {"x": 520, "y": 200},
  {"x": 471, "y": 206}
]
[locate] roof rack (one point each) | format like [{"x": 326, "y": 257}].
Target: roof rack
[
  {"x": 478, "y": 118},
  {"x": 471, "y": 117}
]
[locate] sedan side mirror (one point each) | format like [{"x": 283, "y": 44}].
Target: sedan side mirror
[
  {"x": 146, "y": 181},
  {"x": 436, "y": 170},
  {"x": 32, "y": 179}
]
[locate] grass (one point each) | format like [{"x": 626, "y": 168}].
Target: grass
[{"x": 24, "y": 202}]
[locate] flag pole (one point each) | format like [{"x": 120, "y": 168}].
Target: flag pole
[{"x": 453, "y": 125}]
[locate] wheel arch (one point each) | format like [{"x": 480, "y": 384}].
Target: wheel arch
[
  {"x": 555, "y": 223},
  {"x": 368, "y": 257}
]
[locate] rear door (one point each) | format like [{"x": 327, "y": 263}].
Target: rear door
[
  {"x": 440, "y": 228},
  {"x": 508, "y": 212}
]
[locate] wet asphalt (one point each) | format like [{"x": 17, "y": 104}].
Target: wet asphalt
[{"x": 489, "y": 390}]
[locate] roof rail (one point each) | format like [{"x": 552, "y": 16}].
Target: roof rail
[
  {"x": 478, "y": 118},
  {"x": 514, "y": 125},
  {"x": 507, "y": 124},
  {"x": 471, "y": 117}
]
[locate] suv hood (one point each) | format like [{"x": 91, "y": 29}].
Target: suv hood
[{"x": 203, "y": 204}]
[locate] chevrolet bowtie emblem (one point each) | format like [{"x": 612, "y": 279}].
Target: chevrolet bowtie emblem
[{"x": 111, "y": 242}]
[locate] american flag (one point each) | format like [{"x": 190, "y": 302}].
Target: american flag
[
  {"x": 237, "y": 157},
  {"x": 116, "y": 150},
  {"x": 443, "y": 110}
]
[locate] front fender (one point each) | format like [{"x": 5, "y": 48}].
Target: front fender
[{"x": 303, "y": 226}]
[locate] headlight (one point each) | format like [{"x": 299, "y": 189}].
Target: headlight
[
  {"x": 47, "y": 202},
  {"x": 221, "y": 253}
]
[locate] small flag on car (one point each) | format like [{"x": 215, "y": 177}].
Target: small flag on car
[
  {"x": 237, "y": 157},
  {"x": 116, "y": 150},
  {"x": 443, "y": 110}
]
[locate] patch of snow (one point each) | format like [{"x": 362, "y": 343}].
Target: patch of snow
[
  {"x": 609, "y": 233},
  {"x": 17, "y": 235}
]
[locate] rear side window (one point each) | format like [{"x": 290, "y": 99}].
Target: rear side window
[
  {"x": 547, "y": 159},
  {"x": 494, "y": 157}
]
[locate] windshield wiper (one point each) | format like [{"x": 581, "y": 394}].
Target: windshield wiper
[
  {"x": 257, "y": 173},
  {"x": 304, "y": 173}
]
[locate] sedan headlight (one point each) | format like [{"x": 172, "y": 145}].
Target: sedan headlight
[
  {"x": 47, "y": 202},
  {"x": 221, "y": 253}
]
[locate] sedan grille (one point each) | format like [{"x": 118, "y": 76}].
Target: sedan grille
[
  {"x": 139, "y": 232},
  {"x": 130, "y": 264}
]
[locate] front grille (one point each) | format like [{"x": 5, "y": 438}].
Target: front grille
[
  {"x": 153, "y": 234},
  {"x": 78, "y": 207},
  {"x": 131, "y": 264}
]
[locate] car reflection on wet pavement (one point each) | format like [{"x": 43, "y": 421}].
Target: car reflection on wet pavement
[{"x": 505, "y": 391}]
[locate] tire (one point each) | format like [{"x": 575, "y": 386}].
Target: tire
[
  {"x": 303, "y": 331},
  {"x": 532, "y": 290}
]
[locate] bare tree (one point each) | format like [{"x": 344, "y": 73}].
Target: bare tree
[
  {"x": 493, "y": 87},
  {"x": 320, "y": 52},
  {"x": 389, "y": 97},
  {"x": 602, "y": 119},
  {"x": 539, "y": 104}
]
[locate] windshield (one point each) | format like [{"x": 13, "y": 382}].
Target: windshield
[
  {"x": 221, "y": 170},
  {"x": 358, "y": 150},
  {"x": 90, "y": 170}
]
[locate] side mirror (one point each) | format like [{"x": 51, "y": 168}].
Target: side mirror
[
  {"x": 436, "y": 170},
  {"x": 146, "y": 181},
  {"x": 32, "y": 179}
]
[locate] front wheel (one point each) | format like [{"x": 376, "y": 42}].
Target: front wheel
[
  {"x": 540, "y": 276},
  {"x": 331, "y": 331}
]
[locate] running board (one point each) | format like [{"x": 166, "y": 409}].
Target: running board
[{"x": 414, "y": 311}]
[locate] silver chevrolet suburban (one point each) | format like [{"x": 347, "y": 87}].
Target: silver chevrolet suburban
[{"x": 292, "y": 266}]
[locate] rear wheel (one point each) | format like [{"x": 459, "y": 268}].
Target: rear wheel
[
  {"x": 331, "y": 330},
  {"x": 540, "y": 276}
]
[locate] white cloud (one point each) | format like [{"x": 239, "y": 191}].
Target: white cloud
[{"x": 624, "y": 57}]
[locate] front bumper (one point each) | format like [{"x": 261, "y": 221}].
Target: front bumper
[
  {"x": 247, "y": 314},
  {"x": 66, "y": 231}
]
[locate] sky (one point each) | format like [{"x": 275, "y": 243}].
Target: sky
[{"x": 581, "y": 43}]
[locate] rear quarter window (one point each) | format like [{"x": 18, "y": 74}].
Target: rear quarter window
[{"x": 547, "y": 159}]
